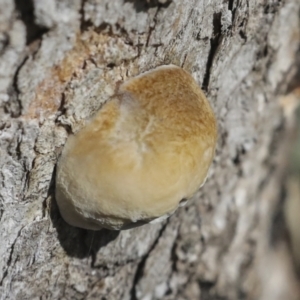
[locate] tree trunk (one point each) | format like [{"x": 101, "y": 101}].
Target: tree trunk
[{"x": 237, "y": 239}]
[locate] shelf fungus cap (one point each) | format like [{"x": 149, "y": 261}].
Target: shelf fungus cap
[{"x": 149, "y": 147}]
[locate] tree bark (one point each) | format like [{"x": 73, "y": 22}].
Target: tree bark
[{"x": 237, "y": 239}]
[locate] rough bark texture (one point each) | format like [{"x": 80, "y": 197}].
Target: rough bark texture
[{"x": 60, "y": 61}]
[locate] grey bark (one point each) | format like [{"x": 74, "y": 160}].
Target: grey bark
[{"x": 237, "y": 239}]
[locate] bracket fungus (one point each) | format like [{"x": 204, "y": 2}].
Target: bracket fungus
[{"x": 148, "y": 147}]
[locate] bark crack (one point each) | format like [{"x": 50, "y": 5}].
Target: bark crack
[
  {"x": 9, "y": 261},
  {"x": 142, "y": 263},
  {"x": 215, "y": 42},
  {"x": 26, "y": 13}
]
